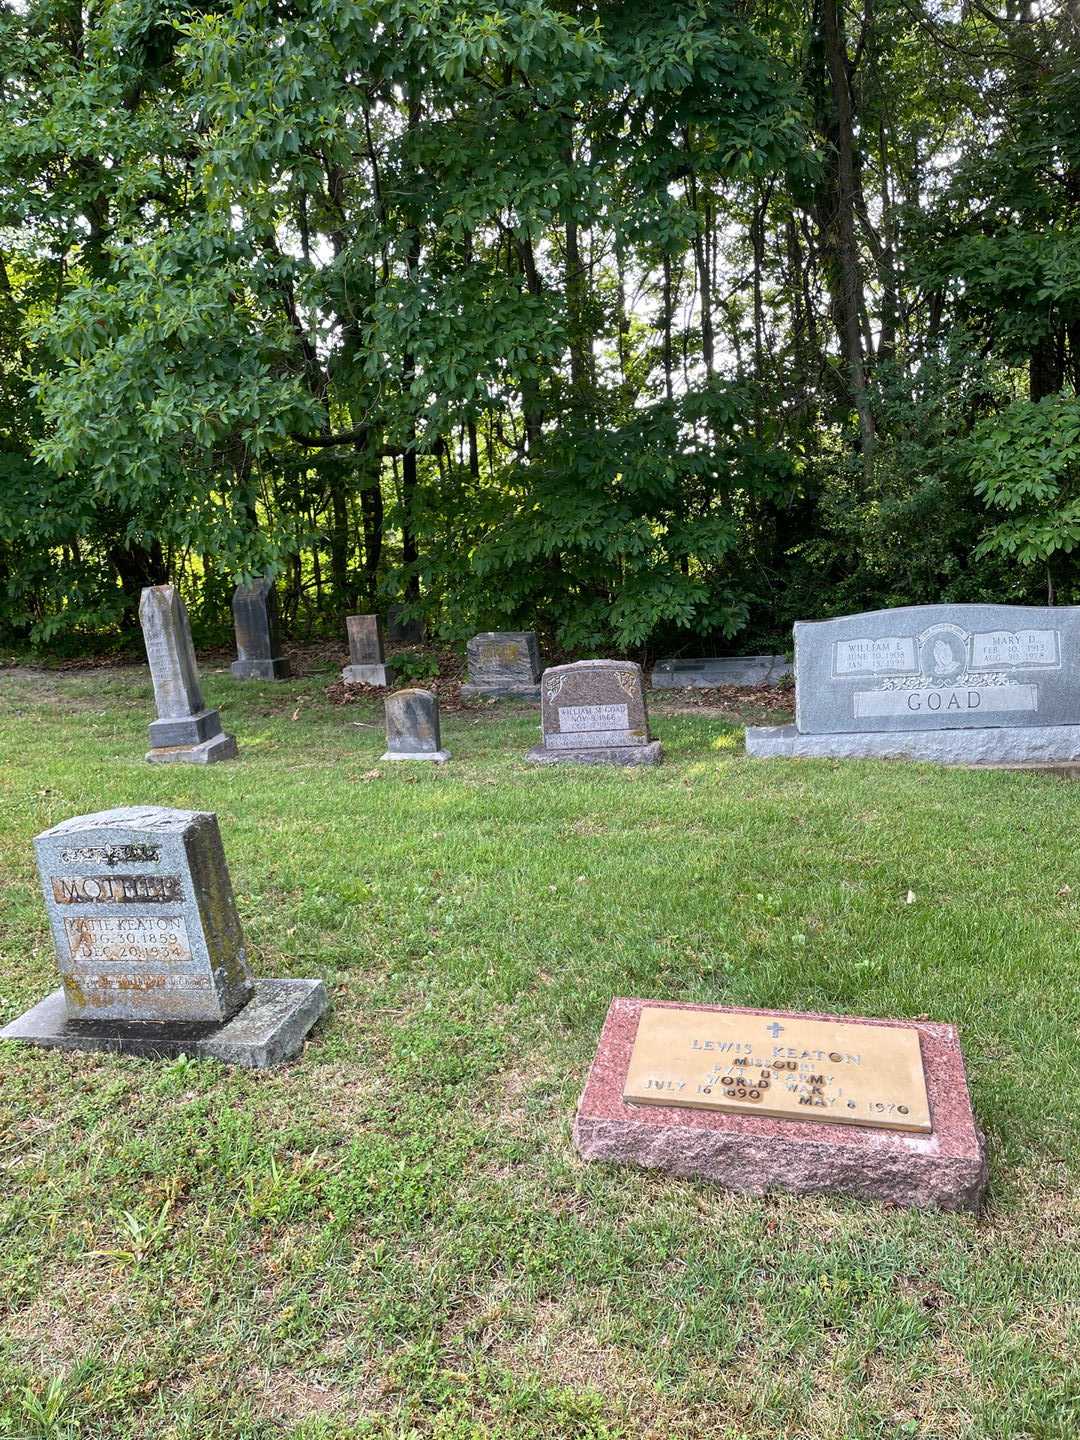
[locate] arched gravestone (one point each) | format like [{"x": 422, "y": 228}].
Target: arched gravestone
[
  {"x": 957, "y": 684},
  {"x": 254, "y": 609},
  {"x": 593, "y": 713},
  {"x": 186, "y": 731},
  {"x": 412, "y": 727},
  {"x": 150, "y": 947}
]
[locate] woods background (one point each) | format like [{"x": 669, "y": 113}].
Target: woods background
[{"x": 649, "y": 325}]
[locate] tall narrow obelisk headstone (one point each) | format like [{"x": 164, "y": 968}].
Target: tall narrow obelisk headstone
[
  {"x": 255, "y": 620},
  {"x": 185, "y": 731},
  {"x": 412, "y": 727},
  {"x": 150, "y": 947},
  {"x": 367, "y": 662}
]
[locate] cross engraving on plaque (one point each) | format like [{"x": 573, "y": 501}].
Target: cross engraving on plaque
[{"x": 846, "y": 1074}]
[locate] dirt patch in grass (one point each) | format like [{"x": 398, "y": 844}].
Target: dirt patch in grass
[
  {"x": 74, "y": 1314},
  {"x": 290, "y": 1396}
]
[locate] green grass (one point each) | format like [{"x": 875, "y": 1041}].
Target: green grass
[{"x": 394, "y": 1237}]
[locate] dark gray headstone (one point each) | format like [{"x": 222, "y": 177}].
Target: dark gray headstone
[
  {"x": 366, "y": 656},
  {"x": 255, "y": 621},
  {"x": 185, "y": 731},
  {"x": 687, "y": 674},
  {"x": 593, "y": 712},
  {"x": 412, "y": 727},
  {"x": 921, "y": 670},
  {"x": 503, "y": 662},
  {"x": 150, "y": 947},
  {"x": 402, "y": 629}
]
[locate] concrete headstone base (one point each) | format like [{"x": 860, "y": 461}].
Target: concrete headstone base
[
  {"x": 185, "y": 730},
  {"x": 275, "y": 669},
  {"x": 945, "y": 1169},
  {"x": 649, "y": 754},
  {"x": 269, "y": 1030},
  {"x": 1013, "y": 746},
  {"x": 368, "y": 675},
  {"x": 221, "y": 747},
  {"x": 684, "y": 674},
  {"x": 440, "y": 757},
  {"x": 500, "y": 692}
]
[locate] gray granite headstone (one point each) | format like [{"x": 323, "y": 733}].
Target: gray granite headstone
[
  {"x": 185, "y": 731},
  {"x": 1004, "y": 678},
  {"x": 255, "y": 621},
  {"x": 367, "y": 661},
  {"x": 150, "y": 947},
  {"x": 412, "y": 727},
  {"x": 503, "y": 663},
  {"x": 687, "y": 674},
  {"x": 593, "y": 713}
]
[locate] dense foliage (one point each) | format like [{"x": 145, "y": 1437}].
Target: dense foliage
[{"x": 631, "y": 321}]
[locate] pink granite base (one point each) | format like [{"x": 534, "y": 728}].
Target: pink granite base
[{"x": 753, "y": 1153}]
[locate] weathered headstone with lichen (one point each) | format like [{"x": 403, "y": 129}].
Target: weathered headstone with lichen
[
  {"x": 503, "y": 663},
  {"x": 150, "y": 947},
  {"x": 412, "y": 727}
]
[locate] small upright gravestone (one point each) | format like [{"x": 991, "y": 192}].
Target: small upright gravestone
[
  {"x": 956, "y": 684},
  {"x": 593, "y": 713},
  {"x": 150, "y": 948},
  {"x": 255, "y": 621},
  {"x": 185, "y": 732},
  {"x": 503, "y": 663},
  {"x": 367, "y": 661},
  {"x": 412, "y": 727}
]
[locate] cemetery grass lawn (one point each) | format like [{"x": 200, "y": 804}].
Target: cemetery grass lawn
[{"x": 394, "y": 1237}]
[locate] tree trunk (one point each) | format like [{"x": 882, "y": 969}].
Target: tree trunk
[
  {"x": 344, "y": 591},
  {"x": 836, "y": 218}
]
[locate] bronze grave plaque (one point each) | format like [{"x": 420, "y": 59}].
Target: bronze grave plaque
[{"x": 786, "y": 1067}]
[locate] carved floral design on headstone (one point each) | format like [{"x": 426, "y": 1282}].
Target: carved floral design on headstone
[{"x": 593, "y": 713}]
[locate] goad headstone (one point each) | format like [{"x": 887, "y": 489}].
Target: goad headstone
[
  {"x": 186, "y": 731},
  {"x": 150, "y": 948},
  {"x": 255, "y": 622},
  {"x": 593, "y": 713},
  {"x": 412, "y": 727},
  {"x": 503, "y": 663},
  {"x": 367, "y": 661},
  {"x": 958, "y": 684}
]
